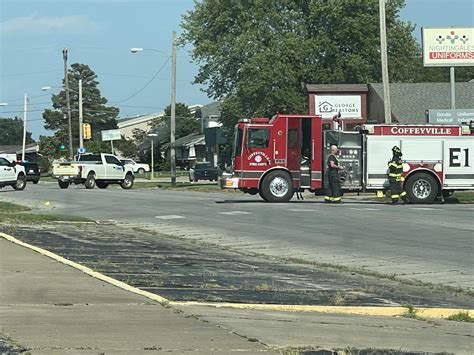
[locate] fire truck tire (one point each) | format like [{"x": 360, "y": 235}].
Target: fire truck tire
[
  {"x": 63, "y": 184},
  {"x": 277, "y": 187},
  {"x": 422, "y": 188},
  {"x": 262, "y": 196}
]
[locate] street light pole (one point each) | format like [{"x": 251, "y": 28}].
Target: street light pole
[
  {"x": 383, "y": 50},
  {"x": 152, "y": 135},
  {"x": 66, "y": 84},
  {"x": 173, "y": 113},
  {"x": 81, "y": 138},
  {"x": 25, "y": 111}
]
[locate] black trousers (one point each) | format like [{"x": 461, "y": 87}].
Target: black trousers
[
  {"x": 333, "y": 190},
  {"x": 396, "y": 189}
]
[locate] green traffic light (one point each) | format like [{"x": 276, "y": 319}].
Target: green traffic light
[{"x": 62, "y": 146}]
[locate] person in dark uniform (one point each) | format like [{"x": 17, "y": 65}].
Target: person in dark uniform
[
  {"x": 333, "y": 190},
  {"x": 395, "y": 170}
]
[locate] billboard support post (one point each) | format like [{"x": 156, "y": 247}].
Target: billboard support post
[{"x": 453, "y": 90}]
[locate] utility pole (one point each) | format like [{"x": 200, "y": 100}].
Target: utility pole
[
  {"x": 173, "y": 113},
  {"x": 383, "y": 50},
  {"x": 25, "y": 111},
  {"x": 66, "y": 84},
  {"x": 81, "y": 138}
]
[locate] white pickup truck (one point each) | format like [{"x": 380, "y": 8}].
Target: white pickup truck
[
  {"x": 12, "y": 174},
  {"x": 94, "y": 169}
]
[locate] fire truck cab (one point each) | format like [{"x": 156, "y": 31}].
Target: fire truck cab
[{"x": 286, "y": 154}]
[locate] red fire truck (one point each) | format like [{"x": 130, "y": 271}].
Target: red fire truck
[{"x": 286, "y": 154}]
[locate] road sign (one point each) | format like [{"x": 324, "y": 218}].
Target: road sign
[
  {"x": 111, "y": 135},
  {"x": 450, "y": 116},
  {"x": 81, "y": 150}
]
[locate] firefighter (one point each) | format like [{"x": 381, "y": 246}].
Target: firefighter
[
  {"x": 333, "y": 190},
  {"x": 395, "y": 170}
]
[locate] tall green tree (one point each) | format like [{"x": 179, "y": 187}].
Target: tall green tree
[
  {"x": 12, "y": 132},
  {"x": 186, "y": 123},
  {"x": 254, "y": 55},
  {"x": 95, "y": 109}
]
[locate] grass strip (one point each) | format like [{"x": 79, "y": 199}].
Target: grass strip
[{"x": 12, "y": 213}]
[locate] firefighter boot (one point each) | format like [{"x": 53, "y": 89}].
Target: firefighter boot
[{"x": 405, "y": 198}]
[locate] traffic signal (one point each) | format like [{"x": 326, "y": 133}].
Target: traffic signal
[
  {"x": 86, "y": 131},
  {"x": 62, "y": 146}
]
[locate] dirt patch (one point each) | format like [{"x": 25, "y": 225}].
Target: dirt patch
[{"x": 183, "y": 270}]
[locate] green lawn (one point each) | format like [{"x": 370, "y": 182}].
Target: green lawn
[
  {"x": 11, "y": 213},
  {"x": 461, "y": 197}
]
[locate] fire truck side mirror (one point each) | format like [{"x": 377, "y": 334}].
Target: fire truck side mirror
[{"x": 471, "y": 126}]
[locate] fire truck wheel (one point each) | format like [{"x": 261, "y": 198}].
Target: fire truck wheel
[
  {"x": 422, "y": 188},
  {"x": 276, "y": 187},
  {"x": 262, "y": 195}
]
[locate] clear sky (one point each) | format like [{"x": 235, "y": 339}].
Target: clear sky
[{"x": 100, "y": 33}]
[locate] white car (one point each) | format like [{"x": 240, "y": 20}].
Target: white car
[
  {"x": 12, "y": 174},
  {"x": 138, "y": 168}
]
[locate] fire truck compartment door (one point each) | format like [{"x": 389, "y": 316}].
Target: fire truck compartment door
[
  {"x": 350, "y": 156},
  {"x": 459, "y": 162},
  {"x": 379, "y": 153}
]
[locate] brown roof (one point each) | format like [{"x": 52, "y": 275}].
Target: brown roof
[{"x": 337, "y": 87}]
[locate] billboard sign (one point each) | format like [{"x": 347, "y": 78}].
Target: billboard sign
[
  {"x": 327, "y": 106},
  {"x": 111, "y": 135},
  {"x": 450, "y": 116},
  {"x": 448, "y": 47}
]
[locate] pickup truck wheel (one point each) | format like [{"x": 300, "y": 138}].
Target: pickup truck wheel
[
  {"x": 127, "y": 183},
  {"x": 20, "y": 183},
  {"x": 90, "y": 181},
  {"x": 141, "y": 171},
  {"x": 422, "y": 188},
  {"x": 277, "y": 187},
  {"x": 102, "y": 184},
  {"x": 63, "y": 184}
]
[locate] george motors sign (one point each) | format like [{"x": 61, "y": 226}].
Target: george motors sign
[
  {"x": 329, "y": 105},
  {"x": 447, "y": 47}
]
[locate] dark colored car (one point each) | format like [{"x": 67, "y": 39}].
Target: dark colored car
[
  {"x": 32, "y": 171},
  {"x": 204, "y": 171}
]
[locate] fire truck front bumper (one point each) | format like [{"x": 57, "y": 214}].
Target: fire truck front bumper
[{"x": 228, "y": 181}]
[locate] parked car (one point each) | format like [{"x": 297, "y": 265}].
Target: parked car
[
  {"x": 12, "y": 174},
  {"x": 204, "y": 171},
  {"x": 32, "y": 170},
  {"x": 138, "y": 168}
]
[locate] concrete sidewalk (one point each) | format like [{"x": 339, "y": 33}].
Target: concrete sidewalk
[{"x": 50, "y": 308}]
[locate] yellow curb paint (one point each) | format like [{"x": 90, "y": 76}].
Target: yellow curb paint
[
  {"x": 86, "y": 270},
  {"x": 360, "y": 310}
]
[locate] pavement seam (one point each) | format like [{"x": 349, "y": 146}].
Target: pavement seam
[{"x": 356, "y": 310}]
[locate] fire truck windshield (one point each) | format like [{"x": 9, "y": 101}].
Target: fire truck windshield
[
  {"x": 258, "y": 137},
  {"x": 238, "y": 135}
]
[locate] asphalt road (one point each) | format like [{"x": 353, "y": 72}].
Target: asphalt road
[{"x": 427, "y": 243}]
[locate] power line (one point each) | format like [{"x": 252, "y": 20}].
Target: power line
[{"x": 144, "y": 86}]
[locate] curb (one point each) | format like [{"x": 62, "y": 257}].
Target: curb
[
  {"x": 86, "y": 270},
  {"x": 357, "y": 310}
]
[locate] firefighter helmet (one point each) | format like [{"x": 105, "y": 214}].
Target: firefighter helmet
[{"x": 396, "y": 151}]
